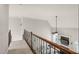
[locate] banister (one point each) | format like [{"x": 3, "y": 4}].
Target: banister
[{"x": 64, "y": 49}]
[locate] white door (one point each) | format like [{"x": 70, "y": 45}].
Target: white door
[{"x": 15, "y": 25}]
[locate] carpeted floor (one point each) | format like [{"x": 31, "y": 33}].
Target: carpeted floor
[{"x": 19, "y": 47}]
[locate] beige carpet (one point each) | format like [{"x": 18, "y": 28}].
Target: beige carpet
[{"x": 19, "y": 47}]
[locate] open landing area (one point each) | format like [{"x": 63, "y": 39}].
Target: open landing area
[{"x": 19, "y": 47}]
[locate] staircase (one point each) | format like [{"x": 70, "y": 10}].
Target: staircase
[{"x": 34, "y": 44}]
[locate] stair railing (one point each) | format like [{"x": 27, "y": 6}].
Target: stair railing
[{"x": 41, "y": 45}]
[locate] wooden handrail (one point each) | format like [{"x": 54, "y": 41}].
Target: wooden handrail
[{"x": 62, "y": 48}]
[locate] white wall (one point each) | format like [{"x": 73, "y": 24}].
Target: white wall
[
  {"x": 67, "y": 14},
  {"x": 3, "y": 28},
  {"x": 39, "y": 27},
  {"x": 78, "y": 26}
]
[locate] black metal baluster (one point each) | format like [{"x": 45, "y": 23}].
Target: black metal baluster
[
  {"x": 37, "y": 45},
  {"x": 50, "y": 49},
  {"x": 31, "y": 40},
  {"x": 46, "y": 47},
  {"x": 34, "y": 44},
  {"x": 41, "y": 46},
  {"x": 54, "y": 50}
]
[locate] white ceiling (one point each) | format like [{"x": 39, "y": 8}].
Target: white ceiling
[{"x": 67, "y": 14}]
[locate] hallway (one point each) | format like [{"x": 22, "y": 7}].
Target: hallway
[{"x": 19, "y": 47}]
